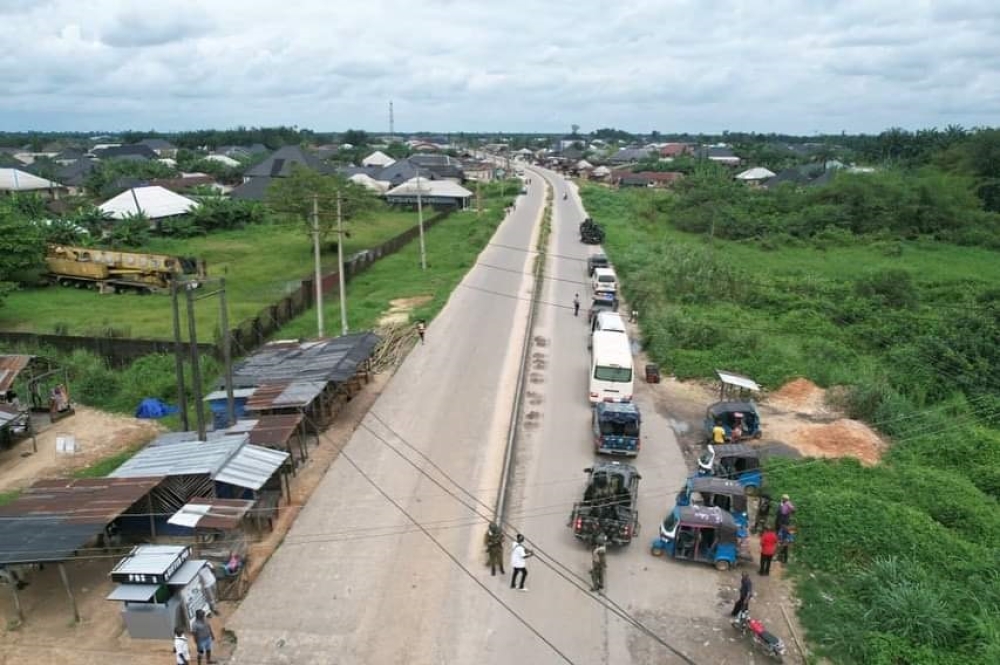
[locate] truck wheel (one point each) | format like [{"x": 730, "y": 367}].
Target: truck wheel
[
  {"x": 656, "y": 551},
  {"x": 722, "y": 565}
]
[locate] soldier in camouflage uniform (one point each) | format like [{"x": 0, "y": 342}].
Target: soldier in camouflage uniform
[
  {"x": 599, "y": 563},
  {"x": 494, "y": 548}
]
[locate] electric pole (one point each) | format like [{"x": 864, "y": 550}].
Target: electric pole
[
  {"x": 340, "y": 266},
  {"x": 179, "y": 358},
  {"x": 227, "y": 353},
  {"x": 199, "y": 406},
  {"x": 420, "y": 223},
  {"x": 318, "y": 277}
]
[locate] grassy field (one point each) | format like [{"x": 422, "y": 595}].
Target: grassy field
[
  {"x": 260, "y": 264},
  {"x": 452, "y": 248},
  {"x": 894, "y": 563}
]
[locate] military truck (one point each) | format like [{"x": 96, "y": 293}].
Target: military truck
[{"x": 610, "y": 504}]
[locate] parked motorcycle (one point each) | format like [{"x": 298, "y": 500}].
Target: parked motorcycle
[{"x": 765, "y": 642}]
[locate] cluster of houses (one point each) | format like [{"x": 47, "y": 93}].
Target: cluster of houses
[{"x": 429, "y": 173}]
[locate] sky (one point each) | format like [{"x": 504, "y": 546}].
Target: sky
[{"x": 787, "y": 66}]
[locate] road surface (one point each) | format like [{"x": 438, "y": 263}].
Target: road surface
[{"x": 355, "y": 582}]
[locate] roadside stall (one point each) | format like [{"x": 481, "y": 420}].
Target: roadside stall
[{"x": 160, "y": 588}]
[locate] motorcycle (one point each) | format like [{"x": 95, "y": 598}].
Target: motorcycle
[{"x": 767, "y": 643}]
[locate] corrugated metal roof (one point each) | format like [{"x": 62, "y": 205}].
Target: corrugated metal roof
[
  {"x": 187, "y": 572},
  {"x": 209, "y": 513},
  {"x": 42, "y": 539},
  {"x": 10, "y": 366},
  {"x": 324, "y": 360},
  {"x": 149, "y": 560},
  {"x": 737, "y": 380},
  {"x": 136, "y": 593},
  {"x": 95, "y": 501},
  {"x": 238, "y": 393},
  {"x": 285, "y": 395},
  {"x": 251, "y": 467},
  {"x": 8, "y": 414},
  {"x": 274, "y": 431},
  {"x": 181, "y": 457},
  {"x": 154, "y": 202}
]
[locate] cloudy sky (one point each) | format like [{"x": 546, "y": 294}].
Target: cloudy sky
[{"x": 796, "y": 66}]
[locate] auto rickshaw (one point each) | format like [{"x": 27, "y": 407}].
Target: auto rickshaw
[
  {"x": 740, "y": 420},
  {"x": 713, "y": 492},
  {"x": 733, "y": 461},
  {"x": 699, "y": 533}
]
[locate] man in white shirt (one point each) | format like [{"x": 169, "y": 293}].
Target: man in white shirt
[
  {"x": 518, "y": 556},
  {"x": 181, "y": 648}
]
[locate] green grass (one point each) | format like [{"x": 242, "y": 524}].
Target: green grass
[
  {"x": 7, "y": 497},
  {"x": 105, "y": 466},
  {"x": 260, "y": 263},
  {"x": 452, "y": 247}
]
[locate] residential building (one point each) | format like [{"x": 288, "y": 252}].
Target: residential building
[
  {"x": 13, "y": 181},
  {"x": 755, "y": 176},
  {"x": 279, "y": 164},
  {"x": 720, "y": 154},
  {"x": 161, "y": 147},
  {"x": 645, "y": 178},
  {"x": 135, "y": 151},
  {"x": 436, "y": 193},
  {"x": 156, "y": 203}
]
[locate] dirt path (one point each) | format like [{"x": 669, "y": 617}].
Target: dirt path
[
  {"x": 98, "y": 435},
  {"x": 49, "y": 635}
]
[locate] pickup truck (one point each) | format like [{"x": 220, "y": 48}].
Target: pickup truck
[
  {"x": 610, "y": 504},
  {"x": 616, "y": 428}
]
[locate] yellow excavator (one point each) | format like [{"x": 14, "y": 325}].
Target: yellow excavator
[{"x": 111, "y": 271}]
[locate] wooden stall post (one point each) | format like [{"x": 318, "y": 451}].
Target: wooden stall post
[{"x": 69, "y": 591}]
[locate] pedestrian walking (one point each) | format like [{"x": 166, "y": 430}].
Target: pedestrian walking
[
  {"x": 519, "y": 555},
  {"x": 634, "y": 316},
  {"x": 746, "y": 590},
  {"x": 494, "y": 548},
  {"x": 421, "y": 329},
  {"x": 181, "y": 649},
  {"x": 763, "y": 512},
  {"x": 768, "y": 545},
  {"x": 576, "y": 305},
  {"x": 598, "y": 563},
  {"x": 203, "y": 636},
  {"x": 786, "y": 536}
]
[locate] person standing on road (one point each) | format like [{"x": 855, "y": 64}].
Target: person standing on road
[
  {"x": 181, "y": 649},
  {"x": 599, "y": 563},
  {"x": 203, "y": 636},
  {"x": 494, "y": 548},
  {"x": 576, "y": 305},
  {"x": 421, "y": 330},
  {"x": 768, "y": 545},
  {"x": 518, "y": 562},
  {"x": 746, "y": 590}
]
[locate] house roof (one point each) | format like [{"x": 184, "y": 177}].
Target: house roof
[
  {"x": 10, "y": 366},
  {"x": 225, "y": 160},
  {"x": 42, "y": 539},
  {"x": 83, "y": 500},
  {"x": 210, "y": 513},
  {"x": 254, "y": 189},
  {"x": 377, "y": 158},
  {"x": 330, "y": 360},
  {"x": 133, "y": 151},
  {"x": 675, "y": 149},
  {"x": 756, "y": 173},
  {"x": 279, "y": 163},
  {"x": 251, "y": 467},
  {"x": 284, "y": 395},
  {"x": 370, "y": 183},
  {"x": 16, "y": 180},
  {"x": 430, "y": 188},
  {"x": 154, "y": 202},
  {"x": 631, "y": 155},
  {"x": 157, "y": 144}
]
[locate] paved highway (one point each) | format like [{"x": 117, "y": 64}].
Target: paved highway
[{"x": 354, "y": 582}]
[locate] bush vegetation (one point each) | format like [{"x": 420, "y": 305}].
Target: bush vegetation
[{"x": 861, "y": 284}]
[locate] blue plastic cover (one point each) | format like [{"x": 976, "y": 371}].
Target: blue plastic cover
[{"x": 154, "y": 408}]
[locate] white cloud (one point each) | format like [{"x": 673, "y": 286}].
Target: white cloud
[{"x": 672, "y": 65}]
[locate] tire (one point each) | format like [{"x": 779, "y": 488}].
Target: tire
[
  {"x": 656, "y": 551},
  {"x": 722, "y": 565}
]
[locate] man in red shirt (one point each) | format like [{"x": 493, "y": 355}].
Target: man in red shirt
[{"x": 768, "y": 546}]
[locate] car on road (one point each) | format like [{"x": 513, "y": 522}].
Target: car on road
[
  {"x": 597, "y": 261},
  {"x": 601, "y": 302},
  {"x": 699, "y": 533},
  {"x": 610, "y": 504},
  {"x": 617, "y": 428},
  {"x": 604, "y": 280}
]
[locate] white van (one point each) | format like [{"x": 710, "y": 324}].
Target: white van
[
  {"x": 610, "y": 368},
  {"x": 609, "y": 321},
  {"x": 605, "y": 279}
]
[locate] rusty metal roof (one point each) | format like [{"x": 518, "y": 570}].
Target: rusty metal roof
[
  {"x": 80, "y": 500},
  {"x": 275, "y": 431},
  {"x": 284, "y": 395},
  {"x": 10, "y": 366},
  {"x": 326, "y": 360}
]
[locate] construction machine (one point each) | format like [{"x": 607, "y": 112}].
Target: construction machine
[{"x": 111, "y": 271}]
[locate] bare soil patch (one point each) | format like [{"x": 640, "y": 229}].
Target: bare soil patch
[
  {"x": 98, "y": 435},
  {"x": 400, "y": 308},
  {"x": 841, "y": 438}
]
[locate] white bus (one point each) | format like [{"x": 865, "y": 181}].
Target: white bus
[{"x": 610, "y": 368}]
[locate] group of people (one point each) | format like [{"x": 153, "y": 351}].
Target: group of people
[
  {"x": 719, "y": 434},
  {"x": 519, "y": 554},
  {"x": 204, "y": 637},
  {"x": 774, "y": 542}
]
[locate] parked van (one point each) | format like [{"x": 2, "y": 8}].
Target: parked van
[
  {"x": 605, "y": 279},
  {"x": 611, "y": 372},
  {"x": 606, "y": 322}
]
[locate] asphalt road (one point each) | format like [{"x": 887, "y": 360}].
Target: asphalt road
[{"x": 354, "y": 581}]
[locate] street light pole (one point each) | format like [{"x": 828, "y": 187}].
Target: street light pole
[
  {"x": 420, "y": 223},
  {"x": 318, "y": 277},
  {"x": 340, "y": 267}
]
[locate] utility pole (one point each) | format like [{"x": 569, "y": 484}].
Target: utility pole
[
  {"x": 227, "y": 354},
  {"x": 479, "y": 197},
  {"x": 420, "y": 223},
  {"x": 179, "y": 358},
  {"x": 340, "y": 265},
  {"x": 199, "y": 406},
  {"x": 318, "y": 277}
]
